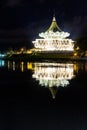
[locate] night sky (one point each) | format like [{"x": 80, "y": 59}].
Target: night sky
[{"x": 22, "y": 20}]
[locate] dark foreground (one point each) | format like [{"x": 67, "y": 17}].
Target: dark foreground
[{"x": 24, "y": 105}]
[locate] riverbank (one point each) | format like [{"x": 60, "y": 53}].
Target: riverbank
[{"x": 44, "y": 56}]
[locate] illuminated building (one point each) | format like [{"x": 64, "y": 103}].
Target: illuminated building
[{"x": 54, "y": 39}]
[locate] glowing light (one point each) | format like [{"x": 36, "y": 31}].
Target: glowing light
[
  {"x": 29, "y": 66},
  {"x": 2, "y": 55},
  {"x": 75, "y": 54},
  {"x": 77, "y": 48},
  {"x": 13, "y": 66},
  {"x": 22, "y": 66},
  {"x": 29, "y": 51},
  {"x": 51, "y": 34},
  {"x": 2, "y": 63}
]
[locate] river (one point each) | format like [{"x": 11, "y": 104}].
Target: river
[{"x": 48, "y": 95}]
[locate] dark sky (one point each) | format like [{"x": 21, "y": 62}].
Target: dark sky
[{"x": 22, "y": 20}]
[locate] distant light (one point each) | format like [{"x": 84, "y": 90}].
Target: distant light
[
  {"x": 29, "y": 66},
  {"x": 22, "y": 66},
  {"x": 13, "y": 66},
  {"x": 75, "y": 54},
  {"x": 29, "y": 51},
  {"x": 2, "y": 55},
  {"x": 77, "y": 48}
]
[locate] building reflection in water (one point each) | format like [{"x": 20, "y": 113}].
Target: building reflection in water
[
  {"x": 50, "y": 75},
  {"x": 53, "y": 75}
]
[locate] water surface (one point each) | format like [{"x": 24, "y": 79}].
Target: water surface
[{"x": 43, "y": 95}]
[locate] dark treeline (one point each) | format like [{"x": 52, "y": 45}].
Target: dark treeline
[{"x": 82, "y": 42}]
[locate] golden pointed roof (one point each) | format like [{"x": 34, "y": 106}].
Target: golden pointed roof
[
  {"x": 54, "y": 26},
  {"x": 54, "y": 31}
]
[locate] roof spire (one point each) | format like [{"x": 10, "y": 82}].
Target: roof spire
[
  {"x": 54, "y": 19},
  {"x": 54, "y": 27}
]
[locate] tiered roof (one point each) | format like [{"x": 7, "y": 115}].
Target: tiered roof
[{"x": 54, "y": 31}]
